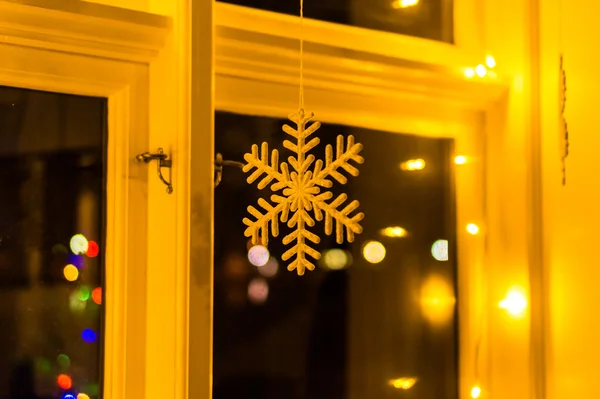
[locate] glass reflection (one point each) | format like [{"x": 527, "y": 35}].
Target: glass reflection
[
  {"x": 51, "y": 244},
  {"x": 428, "y": 19},
  {"x": 376, "y": 318}
]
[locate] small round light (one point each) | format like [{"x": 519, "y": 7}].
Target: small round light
[
  {"x": 460, "y": 160},
  {"x": 68, "y": 396},
  {"x": 71, "y": 273},
  {"x": 481, "y": 70},
  {"x": 88, "y": 336},
  {"x": 335, "y": 259},
  {"x": 97, "y": 295},
  {"x": 470, "y": 72},
  {"x": 472, "y": 228},
  {"x": 76, "y": 260},
  {"x": 475, "y": 392},
  {"x": 79, "y": 244},
  {"x": 258, "y": 291},
  {"x": 374, "y": 251},
  {"x": 439, "y": 250},
  {"x": 83, "y": 396},
  {"x": 258, "y": 255},
  {"x": 413, "y": 165},
  {"x": 93, "y": 249},
  {"x": 270, "y": 269},
  {"x": 64, "y": 381},
  {"x": 63, "y": 361},
  {"x": 490, "y": 61},
  {"x": 83, "y": 293},
  {"x": 514, "y": 303}
]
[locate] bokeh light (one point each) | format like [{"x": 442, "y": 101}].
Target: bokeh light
[
  {"x": 470, "y": 72},
  {"x": 258, "y": 291},
  {"x": 413, "y": 164},
  {"x": 270, "y": 269},
  {"x": 79, "y": 244},
  {"x": 374, "y": 251},
  {"x": 393, "y": 232},
  {"x": 42, "y": 365},
  {"x": 258, "y": 255},
  {"x": 63, "y": 361},
  {"x": 69, "y": 396},
  {"x": 490, "y": 61},
  {"x": 93, "y": 250},
  {"x": 514, "y": 303},
  {"x": 76, "y": 260},
  {"x": 75, "y": 303},
  {"x": 472, "y": 228},
  {"x": 88, "y": 336},
  {"x": 83, "y": 396},
  {"x": 403, "y": 383},
  {"x": 460, "y": 160},
  {"x": 97, "y": 295},
  {"x": 64, "y": 381},
  {"x": 335, "y": 259},
  {"x": 83, "y": 293},
  {"x": 437, "y": 300},
  {"x": 439, "y": 250},
  {"x": 481, "y": 70},
  {"x": 71, "y": 273},
  {"x": 475, "y": 392}
]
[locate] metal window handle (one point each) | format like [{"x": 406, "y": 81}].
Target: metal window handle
[{"x": 163, "y": 161}]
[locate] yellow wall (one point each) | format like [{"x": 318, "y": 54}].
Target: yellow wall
[{"x": 572, "y": 213}]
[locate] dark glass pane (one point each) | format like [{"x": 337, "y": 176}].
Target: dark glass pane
[
  {"x": 352, "y": 332},
  {"x": 52, "y": 159},
  {"x": 429, "y": 19}
]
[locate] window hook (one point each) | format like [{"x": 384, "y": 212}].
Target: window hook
[
  {"x": 219, "y": 163},
  {"x": 163, "y": 161}
]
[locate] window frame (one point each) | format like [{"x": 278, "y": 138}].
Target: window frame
[
  {"x": 414, "y": 86},
  {"x": 88, "y": 49}
]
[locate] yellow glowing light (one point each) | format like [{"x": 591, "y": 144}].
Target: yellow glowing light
[
  {"x": 71, "y": 273},
  {"x": 335, "y": 259},
  {"x": 481, "y": 70},
  {"x": 475, "y": 392},
  {"x": 403, "y": 383},
  {"x": 490, "y": 61},
  {"x": 469, "y": 72},
  {"x": 437, "y": 300},
  {"x": 374, "y": 252},
  {"x": 413, "y": 164},
  {"x": 82, "y": 396},
  {"x": 514, "y": 303},
  {"x": 460, "y": 160},
  {"x": 404, "y": 3},
  {"x": 472, "y": 228},
  {"x": 394, "y": 232}
]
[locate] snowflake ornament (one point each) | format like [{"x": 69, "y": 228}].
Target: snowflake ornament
[{"x": 299, "y": 200}]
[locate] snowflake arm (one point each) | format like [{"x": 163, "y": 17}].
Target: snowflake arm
[
  {"x": 301, "y": 235},
  {"x": 342, "y": 160},
  {"x": 259, "y": 229},
  {"x": 262, "y": 167},
  {"x": 342, "y": 217}
]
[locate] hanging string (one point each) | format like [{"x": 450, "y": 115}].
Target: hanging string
[
  {"x": 563, "y": 128},
  {"x": 301, "y": 56}
]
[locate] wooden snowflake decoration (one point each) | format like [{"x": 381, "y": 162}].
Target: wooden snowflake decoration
[{"x": 298, "y": 193}]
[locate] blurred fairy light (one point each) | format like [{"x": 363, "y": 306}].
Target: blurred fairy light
[
  {"x": 490, "y": 61},
  {"x": 258, "y": 291},
  {"x": 336, "y": 259},
  {"x": 76, "y": 304},
  {"x": 97, "y": 295},
  {"x": 71, "y": 273},
  {"x": 393, "y": 232},
  {"x": 258, "y": 255},
  {"x": 475, "y": 392},
  {"x": 397, "y": 4},
  {"x": 64, "y": 381},
  {"x": 472, "y": 228},
  {"x": 481, "y": 70},
  {"x": 82, "y": 396},
  {"x": 413, "y": 164},
  {"x": 514, "y": 303},
  {"x": 439, "y": 250},
  {"x": 79, "y": 244},
  {"x": 63, "y": 361},
  {"x": 470, "y": 72},
  {"x": 460, "y": 160},
  {"x": 437, "y": 300},
  {"x": 84, "y": 293},
  {"x": 374, "y": 251},
  {"x": 93, "y": 249},
  {"x": 270, "y": 268},
  {"x": 88, "y": 336},
  {"x": 403, "y": 383},
  {"x": 68, "y": 396}
]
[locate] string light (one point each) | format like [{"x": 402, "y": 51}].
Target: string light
[
  {"x": 472, "y": 228},
  {"x": 490, "y": 61},
  {"x": 460, "y": 160},
  {"x": 514, "y": 303},
  {"x": 481, "y": 70},
  {"x": 475, "y": 392},
  {"x": 413, "y": 164},
  {"x": 404, "y": 3}
]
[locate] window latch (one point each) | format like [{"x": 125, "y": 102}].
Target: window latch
[{"x": 162, "y": 161}]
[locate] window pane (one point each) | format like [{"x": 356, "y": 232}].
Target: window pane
[
  {"x": 51, "y": 244},
  {"x": 429, "y": 19},
  {"x": 350, "y": 329}
]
